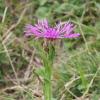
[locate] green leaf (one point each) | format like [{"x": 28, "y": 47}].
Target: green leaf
[
  {"x": 40, "y": 71},
  {"x": 43, "y": 12},
  {"x": 42, "y": 2}
]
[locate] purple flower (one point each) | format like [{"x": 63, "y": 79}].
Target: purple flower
[{"x": 43, "y": 30}]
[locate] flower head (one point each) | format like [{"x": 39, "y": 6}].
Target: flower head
[{"x": 43, "y": 30}]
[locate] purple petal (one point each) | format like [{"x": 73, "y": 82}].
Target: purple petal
[
  {"x": 31, "y": 30},
  {"x": 75, "y": 35},
  {"x": 42, "y": 24},
  {"x": 42, "y": 29}
]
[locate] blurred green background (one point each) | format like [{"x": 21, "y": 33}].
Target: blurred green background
[{"x": 76, "y": 68}]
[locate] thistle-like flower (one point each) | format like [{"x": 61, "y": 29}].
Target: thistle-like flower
[{"x": 43, "y": 30}]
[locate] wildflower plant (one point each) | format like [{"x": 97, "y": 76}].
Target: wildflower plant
[{"x": 43, "y": 30}]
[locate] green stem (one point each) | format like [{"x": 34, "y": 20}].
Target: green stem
[
  {"x": 47, "y": 91},
  {"x": 48, "y": 73},
  {"x": 47, "y": 83}
]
